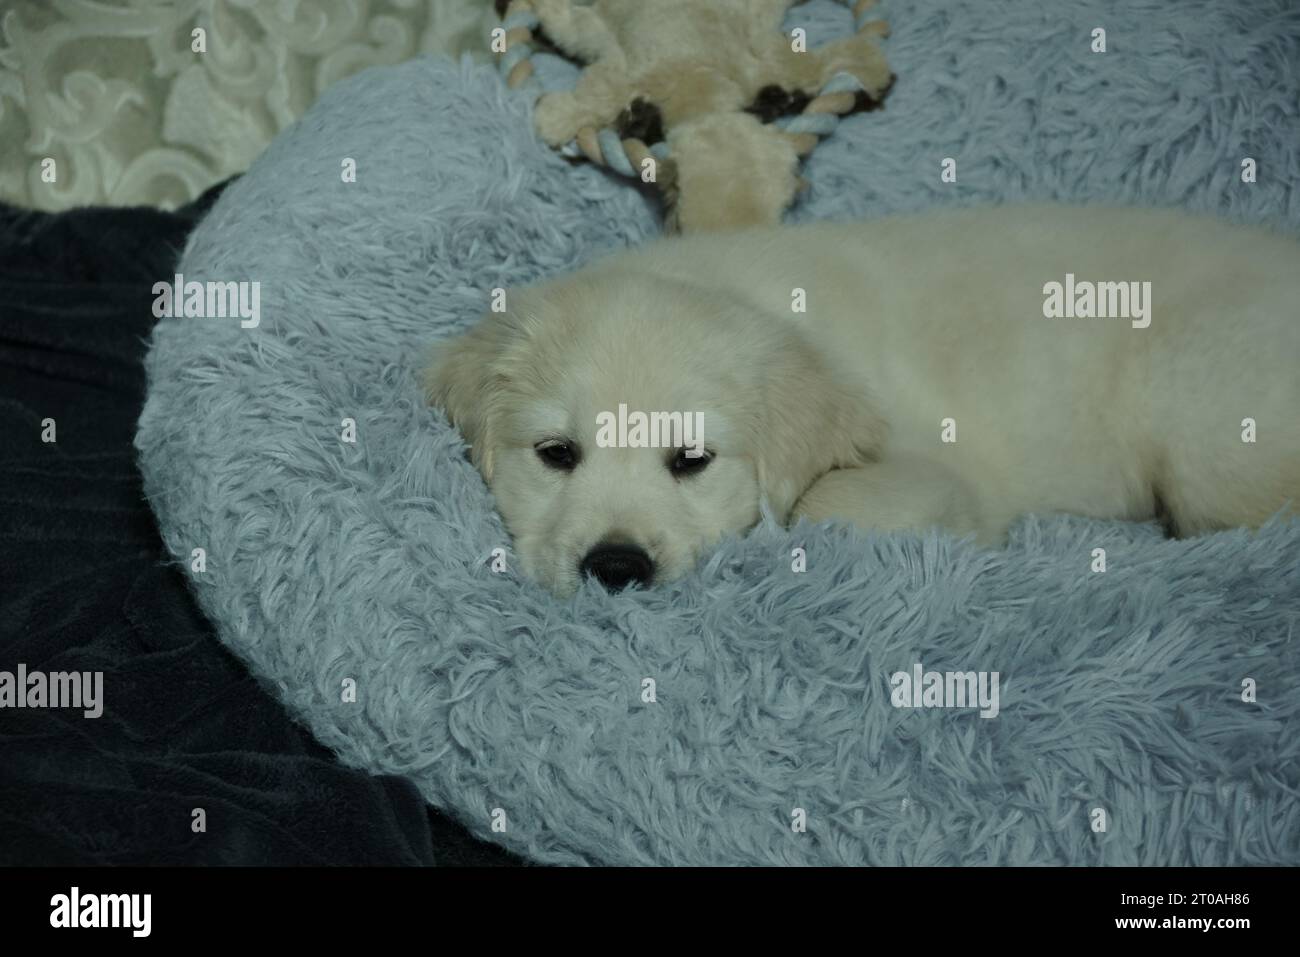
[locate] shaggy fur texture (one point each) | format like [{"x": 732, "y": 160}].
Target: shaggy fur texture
[{"x": 371, "y": 561}]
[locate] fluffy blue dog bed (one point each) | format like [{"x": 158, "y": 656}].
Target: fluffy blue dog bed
[{"x": 1122, "y": 737}]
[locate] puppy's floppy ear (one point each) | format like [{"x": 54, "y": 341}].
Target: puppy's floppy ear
[
  {"x": 465, "y": 379},
  {"x": 812, "y": 420}
]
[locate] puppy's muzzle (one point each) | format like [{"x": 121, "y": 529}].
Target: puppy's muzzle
[{"x": 617, "y": 565}]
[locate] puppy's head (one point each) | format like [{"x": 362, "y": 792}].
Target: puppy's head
[{"x": 625, "y": 423}]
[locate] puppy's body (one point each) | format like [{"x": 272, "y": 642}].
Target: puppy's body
[{"x": 921, "y": 329}]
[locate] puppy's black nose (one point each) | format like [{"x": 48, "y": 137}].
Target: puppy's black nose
[{"x": 617, "y": 566}]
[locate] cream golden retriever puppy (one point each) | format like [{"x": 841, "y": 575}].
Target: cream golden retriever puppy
[{"x": 956, "y": 369}]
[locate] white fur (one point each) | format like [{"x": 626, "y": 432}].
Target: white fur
[{"x": 837, "y": 412}]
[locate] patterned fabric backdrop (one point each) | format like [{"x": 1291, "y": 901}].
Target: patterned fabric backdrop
[{"x": 113, "y": 92}]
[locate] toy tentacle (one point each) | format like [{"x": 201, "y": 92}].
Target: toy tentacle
[
  {"x": 578, "y": 31},
  {"x": 627, "y": 157},
  {"x": 822, "y": 114},
  {"x": 863, "y": 25},
  {"x": 601, "y": 93},
  {"x": 519, "y": 22},
  {"x": 858, "y": 55}
]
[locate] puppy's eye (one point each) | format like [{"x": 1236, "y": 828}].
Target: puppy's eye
[
  {"x": 558, "y": 455},
  {"x": 688, "y": 462}
]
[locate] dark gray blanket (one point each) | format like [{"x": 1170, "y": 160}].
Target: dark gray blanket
[{"x": 83, "y": 588}]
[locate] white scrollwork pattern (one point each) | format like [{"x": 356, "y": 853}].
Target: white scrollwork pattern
[{"x": 114, "y": 94}]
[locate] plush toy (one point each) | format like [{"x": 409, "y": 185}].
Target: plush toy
[{"x": 709, "y": 100}]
